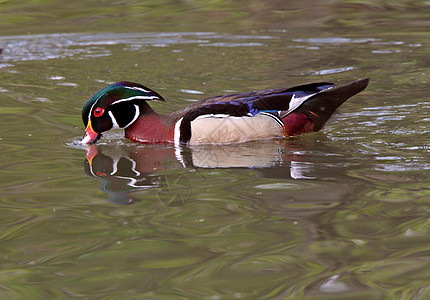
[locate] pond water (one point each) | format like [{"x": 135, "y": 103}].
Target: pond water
[{"x": 343, "y": 213}]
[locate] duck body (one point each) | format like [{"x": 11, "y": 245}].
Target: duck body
[{"x": 233, "y": 118}]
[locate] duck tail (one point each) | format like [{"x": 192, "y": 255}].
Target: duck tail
[{"x": 315, "y": 111}]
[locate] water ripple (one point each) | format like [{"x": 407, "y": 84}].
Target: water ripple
[{"x": 52, "y": 46}]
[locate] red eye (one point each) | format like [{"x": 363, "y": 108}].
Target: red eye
[{"x": 98, "y": 112}]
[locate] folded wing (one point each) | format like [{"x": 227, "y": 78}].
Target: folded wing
[{"x": 301, "y": 109}]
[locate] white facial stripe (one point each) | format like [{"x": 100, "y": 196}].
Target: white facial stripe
[
  {"x": 92, "y": 106},
  {"x": 177, "y": 132},
  {"x": 137, "y": 89},
  {"x": 136, "y": 115},
  {"x": 114, "y": 122},
  {"x": 135, "y": 98},
  {"x": 91, "y": 110}
]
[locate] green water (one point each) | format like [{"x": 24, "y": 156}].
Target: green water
[{"x": 339, "y": 214}]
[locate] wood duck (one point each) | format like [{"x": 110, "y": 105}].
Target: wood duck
[{"x": 233, "y": 118}]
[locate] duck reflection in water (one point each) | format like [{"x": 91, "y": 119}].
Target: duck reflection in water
[{"x": 130, "y": 168}]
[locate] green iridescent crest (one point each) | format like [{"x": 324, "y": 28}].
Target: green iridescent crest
[{"x": 117, "y": 93}]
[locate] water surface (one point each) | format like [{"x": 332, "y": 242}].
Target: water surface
[{"x": 343, "y": 213}]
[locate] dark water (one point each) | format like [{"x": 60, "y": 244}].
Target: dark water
[{"x": 343, "y": 213}]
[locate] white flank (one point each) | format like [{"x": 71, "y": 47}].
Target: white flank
[
  {"x": 225, "y": 116},
  {"x": 214, "y": 129}
]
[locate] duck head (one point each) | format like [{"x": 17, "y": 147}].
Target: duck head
[{"x": 115, "y": 106}]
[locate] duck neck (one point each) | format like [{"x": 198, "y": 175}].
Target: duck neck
[{"x": 150, "y": 127}]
